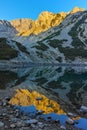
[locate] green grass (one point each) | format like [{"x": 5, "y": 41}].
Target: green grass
[{"x": 6, "y": 52}]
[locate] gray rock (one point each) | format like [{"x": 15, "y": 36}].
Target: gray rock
[
  {"x": 83, "y": 109},
  {"x": 41, "y": 125},
  {"x": 1, "y": 103},
  {"x": 33, "y": 126},
  {"x": 62, "y": 127},
  {"x": 4, "y": 104},
  {"x": 70, "y": 121},
  {"x": 4, "y": 114},
  {"x": 7, "y": 98},
  {"x": 31, "y": 121},
  {"x": 71, "y": 114},
  {"x": 12, "y": 126},
  {"x": 6, "y": 127},
  {"x": 20, "y": 124},
  {"x": 17, "y": 114},
  {"x": 1, "y": 124},
  {"x": 14, "y": 120}
]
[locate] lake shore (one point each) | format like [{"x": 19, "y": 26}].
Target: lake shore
[{"x": 13, "y": 119}]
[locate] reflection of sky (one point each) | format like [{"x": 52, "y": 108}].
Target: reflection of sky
[
  {"x": 82, "y": 124},
  {"x": 31, "y": 110},
  {"x": 27, "y": 110},
  {"x": 62, "y": 118}
]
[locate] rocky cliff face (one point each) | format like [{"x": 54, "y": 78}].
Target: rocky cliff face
[
  {"x": 24, "y": 26},
  {"x": 45, "y": 21}
]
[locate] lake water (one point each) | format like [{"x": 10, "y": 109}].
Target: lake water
[
  {"x": 65, "y": 85},
  {"x": 68, "y": 84}
]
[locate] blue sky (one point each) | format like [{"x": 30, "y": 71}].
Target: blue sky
[{"x": 13, "y": 9}]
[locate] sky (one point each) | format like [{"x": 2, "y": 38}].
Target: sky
[{"x": 14, "y": 9}]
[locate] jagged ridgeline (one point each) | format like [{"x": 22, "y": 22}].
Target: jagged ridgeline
[
  {"x": 52, "y": 38},
  {"x": 45, "y": 21}
]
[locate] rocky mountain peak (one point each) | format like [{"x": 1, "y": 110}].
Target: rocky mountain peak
[
  {"x": 76, "y": 9},
  {"x": 45, "y": 14},
  {"x": 45, "y": 21},
  {"x": 23, "y": 25}
]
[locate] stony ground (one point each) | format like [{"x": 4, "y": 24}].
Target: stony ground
[{"x": 12, "y": 119}]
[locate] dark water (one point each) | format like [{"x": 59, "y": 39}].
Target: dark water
[{"x": 68, "y": 86}]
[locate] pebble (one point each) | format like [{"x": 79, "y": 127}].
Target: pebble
[
  {"x": 12, "y": 126},
  {"x": 70, "y": 121}
]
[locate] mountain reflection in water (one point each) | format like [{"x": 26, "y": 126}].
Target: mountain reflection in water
[
  {"x": 24, "y": 97},
  {"x": 63, "y": 90},
  {"x": 67, "y": 84}
]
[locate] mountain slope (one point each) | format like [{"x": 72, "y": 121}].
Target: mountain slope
[
  {"x": 6, "y": 29},
  {"x": 45, "y": 21},
  {"x": 12, "y": 51},
  {"x": 64, "y": 43}
]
